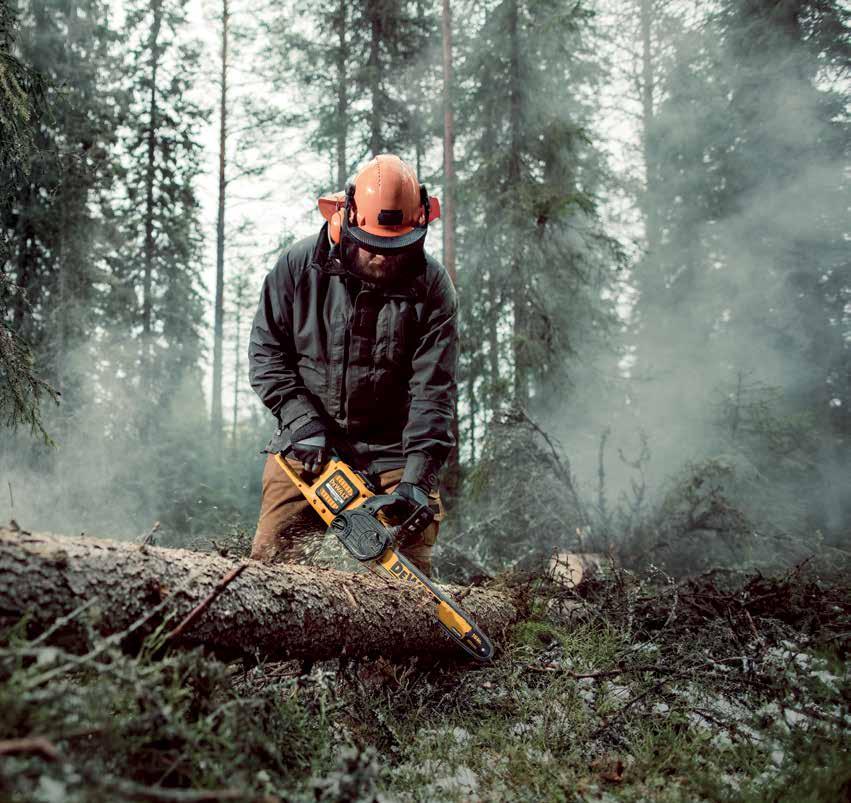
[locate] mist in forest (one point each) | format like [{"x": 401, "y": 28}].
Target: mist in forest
[
  {"x": 736, "y": 348},
  {"x": 697, "y": 339},
  {"x": 121, "y": 467}
]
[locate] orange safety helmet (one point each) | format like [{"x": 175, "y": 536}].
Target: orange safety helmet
[{"x": 384, "y": 210}]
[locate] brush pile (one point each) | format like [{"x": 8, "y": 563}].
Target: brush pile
[{"x": 624, "y": 688}]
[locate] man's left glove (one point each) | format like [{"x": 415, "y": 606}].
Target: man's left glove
[
  {"x": 311, "y": 445},
  {"x": 415, "y": 508}
]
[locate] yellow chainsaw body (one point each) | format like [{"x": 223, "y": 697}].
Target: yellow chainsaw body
[{"x": 339, "y": 487}]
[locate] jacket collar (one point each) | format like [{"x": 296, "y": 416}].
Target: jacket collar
[
  {"x": 322, "y": 251},
  {"x": 326, "y": 257}
]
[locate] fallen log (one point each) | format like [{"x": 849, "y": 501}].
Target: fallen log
[{"x": 277, "y": 612}]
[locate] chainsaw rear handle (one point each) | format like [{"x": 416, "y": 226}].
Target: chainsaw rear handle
[{"x": 413, "y": 525}]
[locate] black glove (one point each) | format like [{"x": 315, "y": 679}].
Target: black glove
[
  {"x": 413, "y": 494},
  {"x": 311, "y": 445},
  {"x": 414, "y": 504}
]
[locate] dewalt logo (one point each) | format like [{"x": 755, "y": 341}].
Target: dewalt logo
[
  {"x": 336, "y": 492},
  {"x": 405, "y": 575}
]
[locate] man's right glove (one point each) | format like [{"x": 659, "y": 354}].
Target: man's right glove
[
  {"x": 311, "y": 445},
  {"x": 415, "y": 503}
]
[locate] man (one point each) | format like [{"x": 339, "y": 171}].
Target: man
[{"x": 353, "y": 349}]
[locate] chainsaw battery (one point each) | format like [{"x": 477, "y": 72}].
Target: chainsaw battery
[{"x": 337, "y": 491}]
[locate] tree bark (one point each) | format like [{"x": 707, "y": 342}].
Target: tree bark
[
  {"x": 648, "y": 89},
  {"x": 216, "y": 420},
  {"x": 279, "y": 612},
  {"x": 448, "y": 211},
  {"x": 153, "y": 123}
]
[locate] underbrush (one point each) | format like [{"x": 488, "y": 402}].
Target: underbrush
[{"x": 716, "y": 688}]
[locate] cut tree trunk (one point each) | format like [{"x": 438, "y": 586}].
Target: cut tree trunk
[{"x": 276, "y": 612}]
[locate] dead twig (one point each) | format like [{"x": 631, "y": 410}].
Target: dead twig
[
  {"x": 202, "y": 606},
  {"x": 463, "y": 594},
  {"x": 162, "y": 794},
  {"x": 61, "y": 622},
  {"x": 34, "y": 744},
  {"x": 76, "y": 661},
  {"x": 809, "y": 711},
  {"x": 610, "y": 673},
  {"x": 150, "y": 539}
]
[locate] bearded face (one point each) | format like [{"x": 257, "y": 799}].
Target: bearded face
[{"x": 380, "y": 268}]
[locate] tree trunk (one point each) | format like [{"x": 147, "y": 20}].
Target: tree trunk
[
  {"x": 24, "y": 259},
  {"x": 520, "y": 341},
  {"x": 342, "y": 98},
  {"x": 237, "y": 369},
  {"x": 651, "y": 216},
  {"x": 147, "y": 285},
  {"x": 280, "y": 612},
  {"x": 376, "y": 139},
  {"x": 494, "y": 393},
  {"x": 216, "y": 422},
  {"x": 448, "y": 210}
]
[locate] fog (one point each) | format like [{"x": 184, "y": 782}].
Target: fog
[{"x": 724, "y": 342}]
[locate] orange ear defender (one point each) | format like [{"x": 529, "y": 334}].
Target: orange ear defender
[
  {"x": 332, "y": 208},
  {"x": 385, "y": 210}
]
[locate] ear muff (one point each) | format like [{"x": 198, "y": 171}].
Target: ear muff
[
  {"x": 331, "y": 207},
  {"x": 335, "y": 227}
]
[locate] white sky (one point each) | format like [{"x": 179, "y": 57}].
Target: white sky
[{"x": 272, "y": 205}]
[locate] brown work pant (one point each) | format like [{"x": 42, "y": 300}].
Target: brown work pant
[{"x": 287, "y": 527}]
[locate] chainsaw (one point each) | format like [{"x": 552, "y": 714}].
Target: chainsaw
[{"x": 357, "y": 516}]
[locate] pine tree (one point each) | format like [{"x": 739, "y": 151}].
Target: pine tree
[
  {"x": 245, "y": 150},
  {"x": 162, "y": 258},
  {"x": 318, "y": 62},
  {"x": 396, "y": 34},
  {"x": 792, "y": 148},
  {"x": 359, "y": 72},
  {"x": 21, "y": 105},
  {"x": 219, "y": 305},
  {"x": 533, "y": 257},
  {"x": 59, "y": 208}
]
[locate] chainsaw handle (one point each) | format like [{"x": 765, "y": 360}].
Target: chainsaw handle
[
  {"x": 294, "y": 477},
  {"x": 417, "y": 520}
]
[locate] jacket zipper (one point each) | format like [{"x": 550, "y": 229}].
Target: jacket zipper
[{"x": 349, "y": 317}]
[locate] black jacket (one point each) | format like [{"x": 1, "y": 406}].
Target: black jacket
[{"x": 377, "y": 363}]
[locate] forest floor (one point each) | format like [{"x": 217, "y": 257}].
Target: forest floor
[{"x": 722, "y": 687}]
